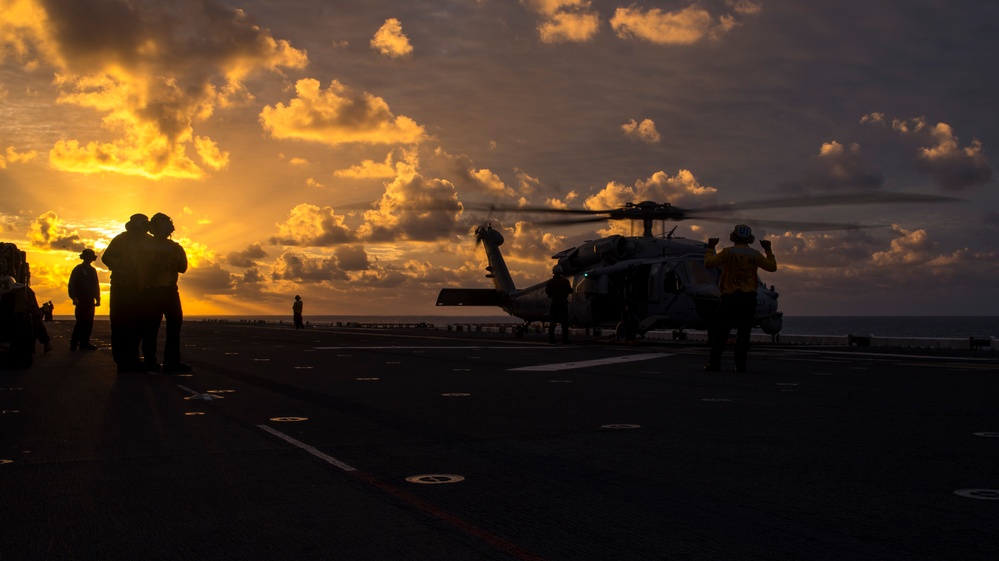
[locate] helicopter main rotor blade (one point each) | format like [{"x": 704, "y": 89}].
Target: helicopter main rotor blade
[
  {"x": 568, "y": 221},
  {"x": 828, "y": 200},
  {"x": 796, "y": 225}
]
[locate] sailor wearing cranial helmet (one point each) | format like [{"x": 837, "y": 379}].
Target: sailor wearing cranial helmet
[{"x": 739, "y": 265}]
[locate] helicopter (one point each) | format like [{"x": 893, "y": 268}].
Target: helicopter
[{"x": 635, "y": 284}]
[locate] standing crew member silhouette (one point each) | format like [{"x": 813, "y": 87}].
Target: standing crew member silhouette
[
  {"x": 737, "y": 286},
  {"x": 162, "y": 262},
  {"x": 558, "y": 289},
  {"x": 296, "y": 309},
  {"x": 85, "y": 292},
  {"x": 126, "y": 311}
]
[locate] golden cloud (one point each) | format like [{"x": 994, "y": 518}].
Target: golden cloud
[
  {"x": 565, "y": 20},
  {"x": 309, "y": 225},
  {"x": 644, "y": 132},
  {"x": 48, "y": 232},
  {"x": 682, "y": 27},
  {"x": 13, "y": 156},
  {"x": 151, "y": 82},
  {"x": 390, "y": 41},
  {"x": 338, "y": 115}
]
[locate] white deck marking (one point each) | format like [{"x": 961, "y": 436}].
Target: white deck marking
[
  {"x": 588, "y": 363},
  {"x": 310, "y": 449},
  {"x": 421, "y": 347}
]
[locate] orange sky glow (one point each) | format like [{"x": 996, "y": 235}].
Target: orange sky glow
[{"x": 340, "y": 151}]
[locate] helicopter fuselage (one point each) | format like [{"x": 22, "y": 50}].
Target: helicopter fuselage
[{"x": 631, "y": 283}]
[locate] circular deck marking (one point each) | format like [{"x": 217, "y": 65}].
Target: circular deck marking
[
  {"x": 395, "y": 362},
  {"x": 620, "y": 426},
  {"x": 184, "y": 375},
  {"x": 232, "y": 353},
  {"x": 982, "y": 494},
  {"x": 716, "y": 399},
  {"x": 9, "y": 411},
  {"x": 988, "y": 434},
  {"x": 435, "y": 479},
  {"x": 289, "y": 419},
  {"x": 344, "y": 355},
  {"x": 5, "y": 462},
  {"x": 261, "y": 360},
  {"x": 13, "y": 389},
  {"x": 303, "y": 368},
  {"x": 455, "y": 394},
  {"x": 193, "y": 413},
  {"x": 367, "y": 379}
]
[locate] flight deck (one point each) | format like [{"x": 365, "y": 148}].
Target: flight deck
[{"x": 419, "y": 444}]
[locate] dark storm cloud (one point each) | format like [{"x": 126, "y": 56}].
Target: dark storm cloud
[
  {"x": 248, "y": 257},
  {"x": 352, "y": 258},
  {"x": 48, "y": 232},
  {"x": 209, "y": 278},
  {"x": 301, "y": 268}
]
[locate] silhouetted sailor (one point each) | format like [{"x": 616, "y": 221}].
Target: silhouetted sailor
[
  {"x": 126, "y": 310},
  {"x": 737, "y": 286},
  {"x": 85, "y": 292},
  {"x": 296, "y": 310},
  {"x": 558, "y": 290},
  {"x": 162, "y": 262}
]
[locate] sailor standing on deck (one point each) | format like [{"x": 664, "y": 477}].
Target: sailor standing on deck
[
  {"x": 296, "y": 310},
  {"x": 558, "y": 289},
  {"x": 737, "y": 286},
  {"x": 85, "y": 292},
  {"x": 162, "y": 262},
  {"x": 126, "y": 311}
]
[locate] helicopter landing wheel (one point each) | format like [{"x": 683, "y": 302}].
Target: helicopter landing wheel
[{"x": 625, "y": 331}]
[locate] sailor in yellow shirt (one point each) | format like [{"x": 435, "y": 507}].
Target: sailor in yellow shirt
[{"x": 739, "y": 265}]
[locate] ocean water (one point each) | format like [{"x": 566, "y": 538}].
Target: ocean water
[{"x": 881, "y": 326}]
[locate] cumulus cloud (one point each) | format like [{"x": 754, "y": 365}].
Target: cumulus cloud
[
  {"x": 48, "y": 232},
  {"x": 369, "y": 169},
  {"x": 413, "y": 207},
  {"x": 338, "y": 115},
  {"x": 940, "y": 154},
  {"x": 954, "y": 168},
  {"x": 390, "y": 41},
  {"x": 825, "y": 250},
  {"x": 462, "y": 172},
  {"x": 209, "y": 278},
  {"x": 302, "y": 268},
  {"x": 644, "y": 132},
  {"x": 248, "y": 257},
  {"x": 152, "y": 70},
  {"x": 681, "y": 27},
  {"x": 310, "y": 225},
  {"x": 565, "y": 20},
  {"x": 909, "y": 247},
  {"x": 352, "y": 258},
  {"x": 838, "y": 167},
  {"x": 683, "y": 189}
]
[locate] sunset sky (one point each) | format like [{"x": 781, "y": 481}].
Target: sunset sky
[{"x": 298, "y": 144}]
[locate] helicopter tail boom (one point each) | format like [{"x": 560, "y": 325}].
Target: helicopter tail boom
[{"x": 469, "y": 297}]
